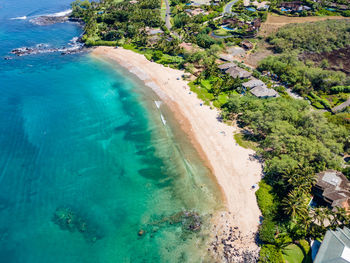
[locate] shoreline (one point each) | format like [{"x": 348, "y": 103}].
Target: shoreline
[{"x": 232, "y": 166}]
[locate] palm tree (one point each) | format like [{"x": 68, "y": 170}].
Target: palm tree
[{"x": 295, "y": 204}]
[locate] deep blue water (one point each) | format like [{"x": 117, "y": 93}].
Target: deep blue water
[{"x": 85, "y": 161}]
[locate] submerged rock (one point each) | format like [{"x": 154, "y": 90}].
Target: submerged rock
[
  {"x": 48, "y": 20},
  {"x": 67, "y": 219},
  {"x": 190, "y": 221},
  {"x": 141, "y": 232}
]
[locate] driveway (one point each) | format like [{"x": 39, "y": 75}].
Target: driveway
[
  {"x": 228, "y": 8},
  {"x": 167, "y": 15}
]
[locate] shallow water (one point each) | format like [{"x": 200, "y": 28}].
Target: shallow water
[{"x": 85, "y": 159}]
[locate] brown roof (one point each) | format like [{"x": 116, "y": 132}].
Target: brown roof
[
  {"x": 334, "y": 186},
  {"x": 238, "y": 72},
  {"x": 234, "y": 71}
]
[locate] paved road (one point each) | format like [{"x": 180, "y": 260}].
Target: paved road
[
  {"x": 342, "y": 106},
  {"x": 228, "y": 8},
  {"x": 167, "y": 15}
]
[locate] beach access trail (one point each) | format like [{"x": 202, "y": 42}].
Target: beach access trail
[{"x": 233, "y": 166}]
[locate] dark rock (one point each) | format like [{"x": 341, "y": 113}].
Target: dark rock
[
  {"x": 141, "y": 232},
  {"x": 48, "y": 20}
]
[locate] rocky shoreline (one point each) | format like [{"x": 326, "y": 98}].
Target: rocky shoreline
[
  {"x": 228, "y": 243},
  {"x": 74, "y": 46},
  {"x": 46, "y": 20}
]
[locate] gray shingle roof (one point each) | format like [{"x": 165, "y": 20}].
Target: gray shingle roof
[
  {"x": 227, "y": 66},
  {"x": 238, "y": 73},
  {"x": 234, "y": 71},
  {"x": 335, "y": 247},
  {"x": 264, "y": 92},
  {"x": 254, "y": 83}
]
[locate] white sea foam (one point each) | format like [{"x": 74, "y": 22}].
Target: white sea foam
[
  {"x": 158, "y": 103},
  {"x": 63, "y": 13},
  {"x": 58, "y": 14},
  {"x": 19, "y": 18},
  {"x": 163, "y": 119}
]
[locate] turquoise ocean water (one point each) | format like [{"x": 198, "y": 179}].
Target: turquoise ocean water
[{"x": 85, "y": 160}]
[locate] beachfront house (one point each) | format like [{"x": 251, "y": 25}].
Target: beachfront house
[
  {"x": 253, "y": 83},
  {"x": 332, "y": 189},
  {"x": 264, "y": 92},
  {"x": 335, "y": 247},
  {"x": 234, "y": 71}
]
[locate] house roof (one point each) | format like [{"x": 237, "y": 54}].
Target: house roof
[
  {"x": 238, "y": 72},
  {"x": 264, "y": 92},
  {"x": 226, "y": 57},
  {"x": 254, "y": 83},
  {"x": 227, "y": 66},
  {"x": 335, "y": 247},
  {"x": 335, "y": 186},
  {"x": 153, "y": 31},
  {"x": 234, "y": 71}
]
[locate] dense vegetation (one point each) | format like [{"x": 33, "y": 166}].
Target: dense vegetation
[
  {"x": 116, "y": 21},
  {"x": 296, "y": 142},
  {"x": 303, "y": 77},
  {"x": 323, "y": 36},
  {"x": 312, "y": 80}
]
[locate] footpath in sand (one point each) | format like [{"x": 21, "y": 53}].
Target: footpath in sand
[{"x": 233, "y": 166}]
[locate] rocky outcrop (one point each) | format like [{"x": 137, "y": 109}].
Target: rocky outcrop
[
  {"x": 74, "y": 46},
  {"x": 48, "y": 20}
]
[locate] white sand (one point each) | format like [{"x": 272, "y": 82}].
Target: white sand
[{"x": 230, "y": 163}]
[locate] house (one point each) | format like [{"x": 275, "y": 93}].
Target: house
[
  {"x": 238, "y": 72},
  {"x": 195, "y": 12},
  {"x": 226, "y": 66},
  {"x": 153, "y": 31},
  {"x": 295, "y": 6},
  {"x": 234, "y": 71},
  {"x": 332, "y": 189},
  {"x": 247, "y": 44},
  {"x": 253, "y": 83},
  {"x": 335, "y": 247},
  {"x": 226, "y": 57},
  {"x": 264, "y": 92},
  {"x": 233, "y": 22}
]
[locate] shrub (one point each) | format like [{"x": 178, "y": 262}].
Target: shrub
[
  {"x": 265, "y": 199},
  {"x": 267, "y": 230},
  {"x": 270, "y": 254},
  {"x": 339, "y": 89}
]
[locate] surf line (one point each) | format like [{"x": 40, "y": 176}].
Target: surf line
[{"x": 158, "y": 103}]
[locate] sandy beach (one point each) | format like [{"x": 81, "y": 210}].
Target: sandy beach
[{"x": 233, "y": 166}]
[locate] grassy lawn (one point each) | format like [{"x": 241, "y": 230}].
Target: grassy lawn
[
  {"x": 294, "y": 254},
  {"x": 202, "y": 93},
  {"x": 239, "y": 138},
  {"x": 221, "y": 32}
]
